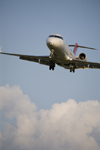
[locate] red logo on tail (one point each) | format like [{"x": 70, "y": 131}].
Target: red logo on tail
[{"x": 75, "y": 49}]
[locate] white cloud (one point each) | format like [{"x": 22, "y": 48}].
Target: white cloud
[{"x": 69, "y": 125}]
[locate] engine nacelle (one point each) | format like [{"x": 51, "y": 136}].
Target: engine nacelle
[{"x": 83, "y": 56}]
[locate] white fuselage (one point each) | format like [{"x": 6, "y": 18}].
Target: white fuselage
[{"x": 58, "y": 46}]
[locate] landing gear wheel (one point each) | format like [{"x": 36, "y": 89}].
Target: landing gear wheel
[
  {"x": 72, "y": 69},
  {"x": 51, "y": 67}
]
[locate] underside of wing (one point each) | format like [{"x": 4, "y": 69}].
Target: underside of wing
[
  {"x": 86, "y": 64},
  {"x": 80, "y": 64},
  {"x": 45, "y": 60}
]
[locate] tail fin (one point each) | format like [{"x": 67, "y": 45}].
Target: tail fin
[{"x": 75, "y": 48}]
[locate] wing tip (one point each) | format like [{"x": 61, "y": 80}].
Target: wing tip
[{"x": 0, "y": 49}]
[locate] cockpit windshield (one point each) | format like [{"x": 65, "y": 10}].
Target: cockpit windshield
[{"x": 56, "y": 36}]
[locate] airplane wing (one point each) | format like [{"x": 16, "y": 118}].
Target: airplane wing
[
  {"x": 80, "y": 64},
  {"x": 45, "y": 60}
]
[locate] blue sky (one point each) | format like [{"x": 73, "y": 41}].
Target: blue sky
[
  {"x": 57, "y": 106},
  {"x": 24, "y": 27}
]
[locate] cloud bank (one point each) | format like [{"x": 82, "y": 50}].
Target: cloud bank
[{"x": 69, "y": 125}]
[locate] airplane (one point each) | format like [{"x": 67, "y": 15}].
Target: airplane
[{"x": 61, "y": 54}]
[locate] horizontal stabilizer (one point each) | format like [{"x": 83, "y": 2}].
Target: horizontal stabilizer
[{"x": 82, "y": 47}]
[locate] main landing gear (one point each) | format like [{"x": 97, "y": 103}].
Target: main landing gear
[
  {"x": 72, "y": 69},
  {"x": 52, "y": 66}
]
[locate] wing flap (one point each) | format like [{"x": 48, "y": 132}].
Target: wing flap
[
  {"x": 44, "y": 60},
  {"x": 94, "y": 66},
  {"x": 29, "y": 58}
]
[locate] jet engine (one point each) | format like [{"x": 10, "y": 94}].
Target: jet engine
[{"x": 83, "y": 56}]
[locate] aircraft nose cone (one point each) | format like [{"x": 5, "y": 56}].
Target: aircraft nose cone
[{"x": 51, "y": 44}]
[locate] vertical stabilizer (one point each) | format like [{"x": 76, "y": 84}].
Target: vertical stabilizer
[{"x": 75, "y": 49}]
